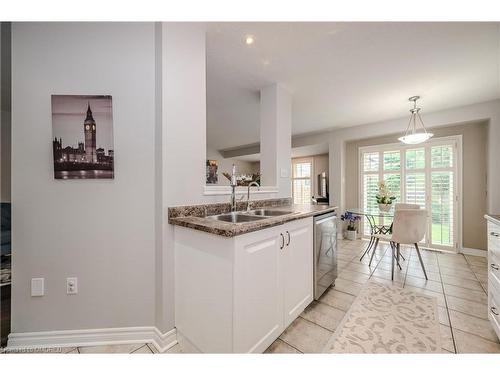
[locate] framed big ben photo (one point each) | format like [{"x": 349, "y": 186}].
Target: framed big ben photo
[{"x": 82, "y": 137}]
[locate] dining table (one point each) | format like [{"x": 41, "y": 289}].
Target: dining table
[{"x": 373, "y": 216}]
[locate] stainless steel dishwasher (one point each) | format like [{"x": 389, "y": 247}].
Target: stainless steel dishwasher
[{"x": 325, "y": 252}]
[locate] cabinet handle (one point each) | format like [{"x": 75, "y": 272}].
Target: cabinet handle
[
  {"x": 494, "y": 310},
  {"x": 494, "y": 266},
  {"x": 282, "y": 241},
  {"x": 288, "y": 234},
  {"x": 494, "y": 234}
]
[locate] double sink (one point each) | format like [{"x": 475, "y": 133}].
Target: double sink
[{"x": 249, "y": 216}]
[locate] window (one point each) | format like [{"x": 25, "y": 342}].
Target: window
[
  {"x": 425, "y": 175},
  {"x": 301, "y": 180}
]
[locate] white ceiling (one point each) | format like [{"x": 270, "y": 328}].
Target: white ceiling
[{"x": 344, "y": 74}]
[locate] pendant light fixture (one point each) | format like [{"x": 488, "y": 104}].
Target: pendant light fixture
[{"x": 413, "y": 135}]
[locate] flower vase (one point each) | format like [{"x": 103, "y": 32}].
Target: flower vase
[
  {"x": 384, "y": 207},
  {"x": 351, "y": 235}
]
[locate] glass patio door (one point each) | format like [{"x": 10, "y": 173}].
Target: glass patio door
[{"x": 426, "y": 175}]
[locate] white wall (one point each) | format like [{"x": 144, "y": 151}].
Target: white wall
[{"x": 101, "y": 231}]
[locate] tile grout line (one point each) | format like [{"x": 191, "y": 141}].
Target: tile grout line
[
  {"x": 380, "y": 260},
  {"x": 395, "y": 267},
  {"x": 333, "y": 307},
  {"x": 465, "y": 299},
  {"x": 140, "y": 347},
  {"x": 279, "y": 338},
  {"x": 357, "y": 262},
  {"x": 447, "y": 309},
  {"x": 464, "y": 313},
  {"x": 469, "y": 264},
  {"x": 464, "y": 287},
  {"x": 473, "y": 334},
  {"x": 317, "y": 324},
  {"x": 324, "y": 303}
]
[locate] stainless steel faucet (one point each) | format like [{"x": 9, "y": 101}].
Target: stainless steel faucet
[
  {"x": 234, "y": 183},
  {"x": 253, "y": 183}
]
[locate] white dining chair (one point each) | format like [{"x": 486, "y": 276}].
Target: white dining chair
[
  {"x": 403, "y": 206},
  {"x": 408, "y": 228},
  {"x": 406, "y": 206}
]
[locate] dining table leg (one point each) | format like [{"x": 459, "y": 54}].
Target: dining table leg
[
  {"x": 368, "y": 247},
  {"x": 371, "y": 221}
]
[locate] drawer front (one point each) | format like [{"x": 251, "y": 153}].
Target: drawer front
[
  {"x": 494, "y": 270},
  {"x": 494, "y": 239},
  {"x": 494, "y": 309},
  {"x": 493, "y": 287}
]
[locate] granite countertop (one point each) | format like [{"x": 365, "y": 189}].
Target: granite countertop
[
  {"x": 493, "y": 218},
  {"x": 222, "y": 228}
]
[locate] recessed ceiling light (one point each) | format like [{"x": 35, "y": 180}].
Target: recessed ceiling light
[{"x": 249, "y": 39}]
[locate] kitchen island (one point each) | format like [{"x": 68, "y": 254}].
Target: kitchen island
[{"x": 239, "y": 285}]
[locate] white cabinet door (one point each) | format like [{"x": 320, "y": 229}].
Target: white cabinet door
[
  {"x": 258, "y": 290},
  {"x": 297, "y": 268}
]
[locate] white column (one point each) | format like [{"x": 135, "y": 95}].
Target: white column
[
  {"x": 182, "y": 121},
  {"x": 276, "y": 138},
  {"x": 184, "y": 105}
]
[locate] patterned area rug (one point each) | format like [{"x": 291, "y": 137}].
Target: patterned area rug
[{"x": 388, "y": 319}]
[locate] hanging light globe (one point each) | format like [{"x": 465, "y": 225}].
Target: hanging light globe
[{"x": 415, "y": 134}]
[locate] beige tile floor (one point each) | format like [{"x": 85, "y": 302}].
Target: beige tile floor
[{"x": 458, "y": 282}]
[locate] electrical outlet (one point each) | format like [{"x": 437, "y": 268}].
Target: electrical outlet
[
  {"x": 71, "y": 285},
  {"x": 37, "y": 287}
]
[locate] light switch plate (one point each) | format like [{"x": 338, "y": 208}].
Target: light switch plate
[
  {"x": 284, "y": 172},
  {"x": 37, "y": 287}
]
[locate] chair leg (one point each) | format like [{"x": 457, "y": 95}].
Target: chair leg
[
  {"x": 396, "y": 254},
  {"x": 392, "y": 261},
  {"x": 421, "y": 262},
  {"x": 399, "y": 255},
  {"x": 373, "y": 252}
]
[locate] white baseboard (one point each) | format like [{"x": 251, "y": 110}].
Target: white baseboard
[
  {"x": 93, "y": 337},
  {"x": 476, "y": 252},
  {"x": 186, "y": 344},
  {"x": 165, "y": 341}
]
